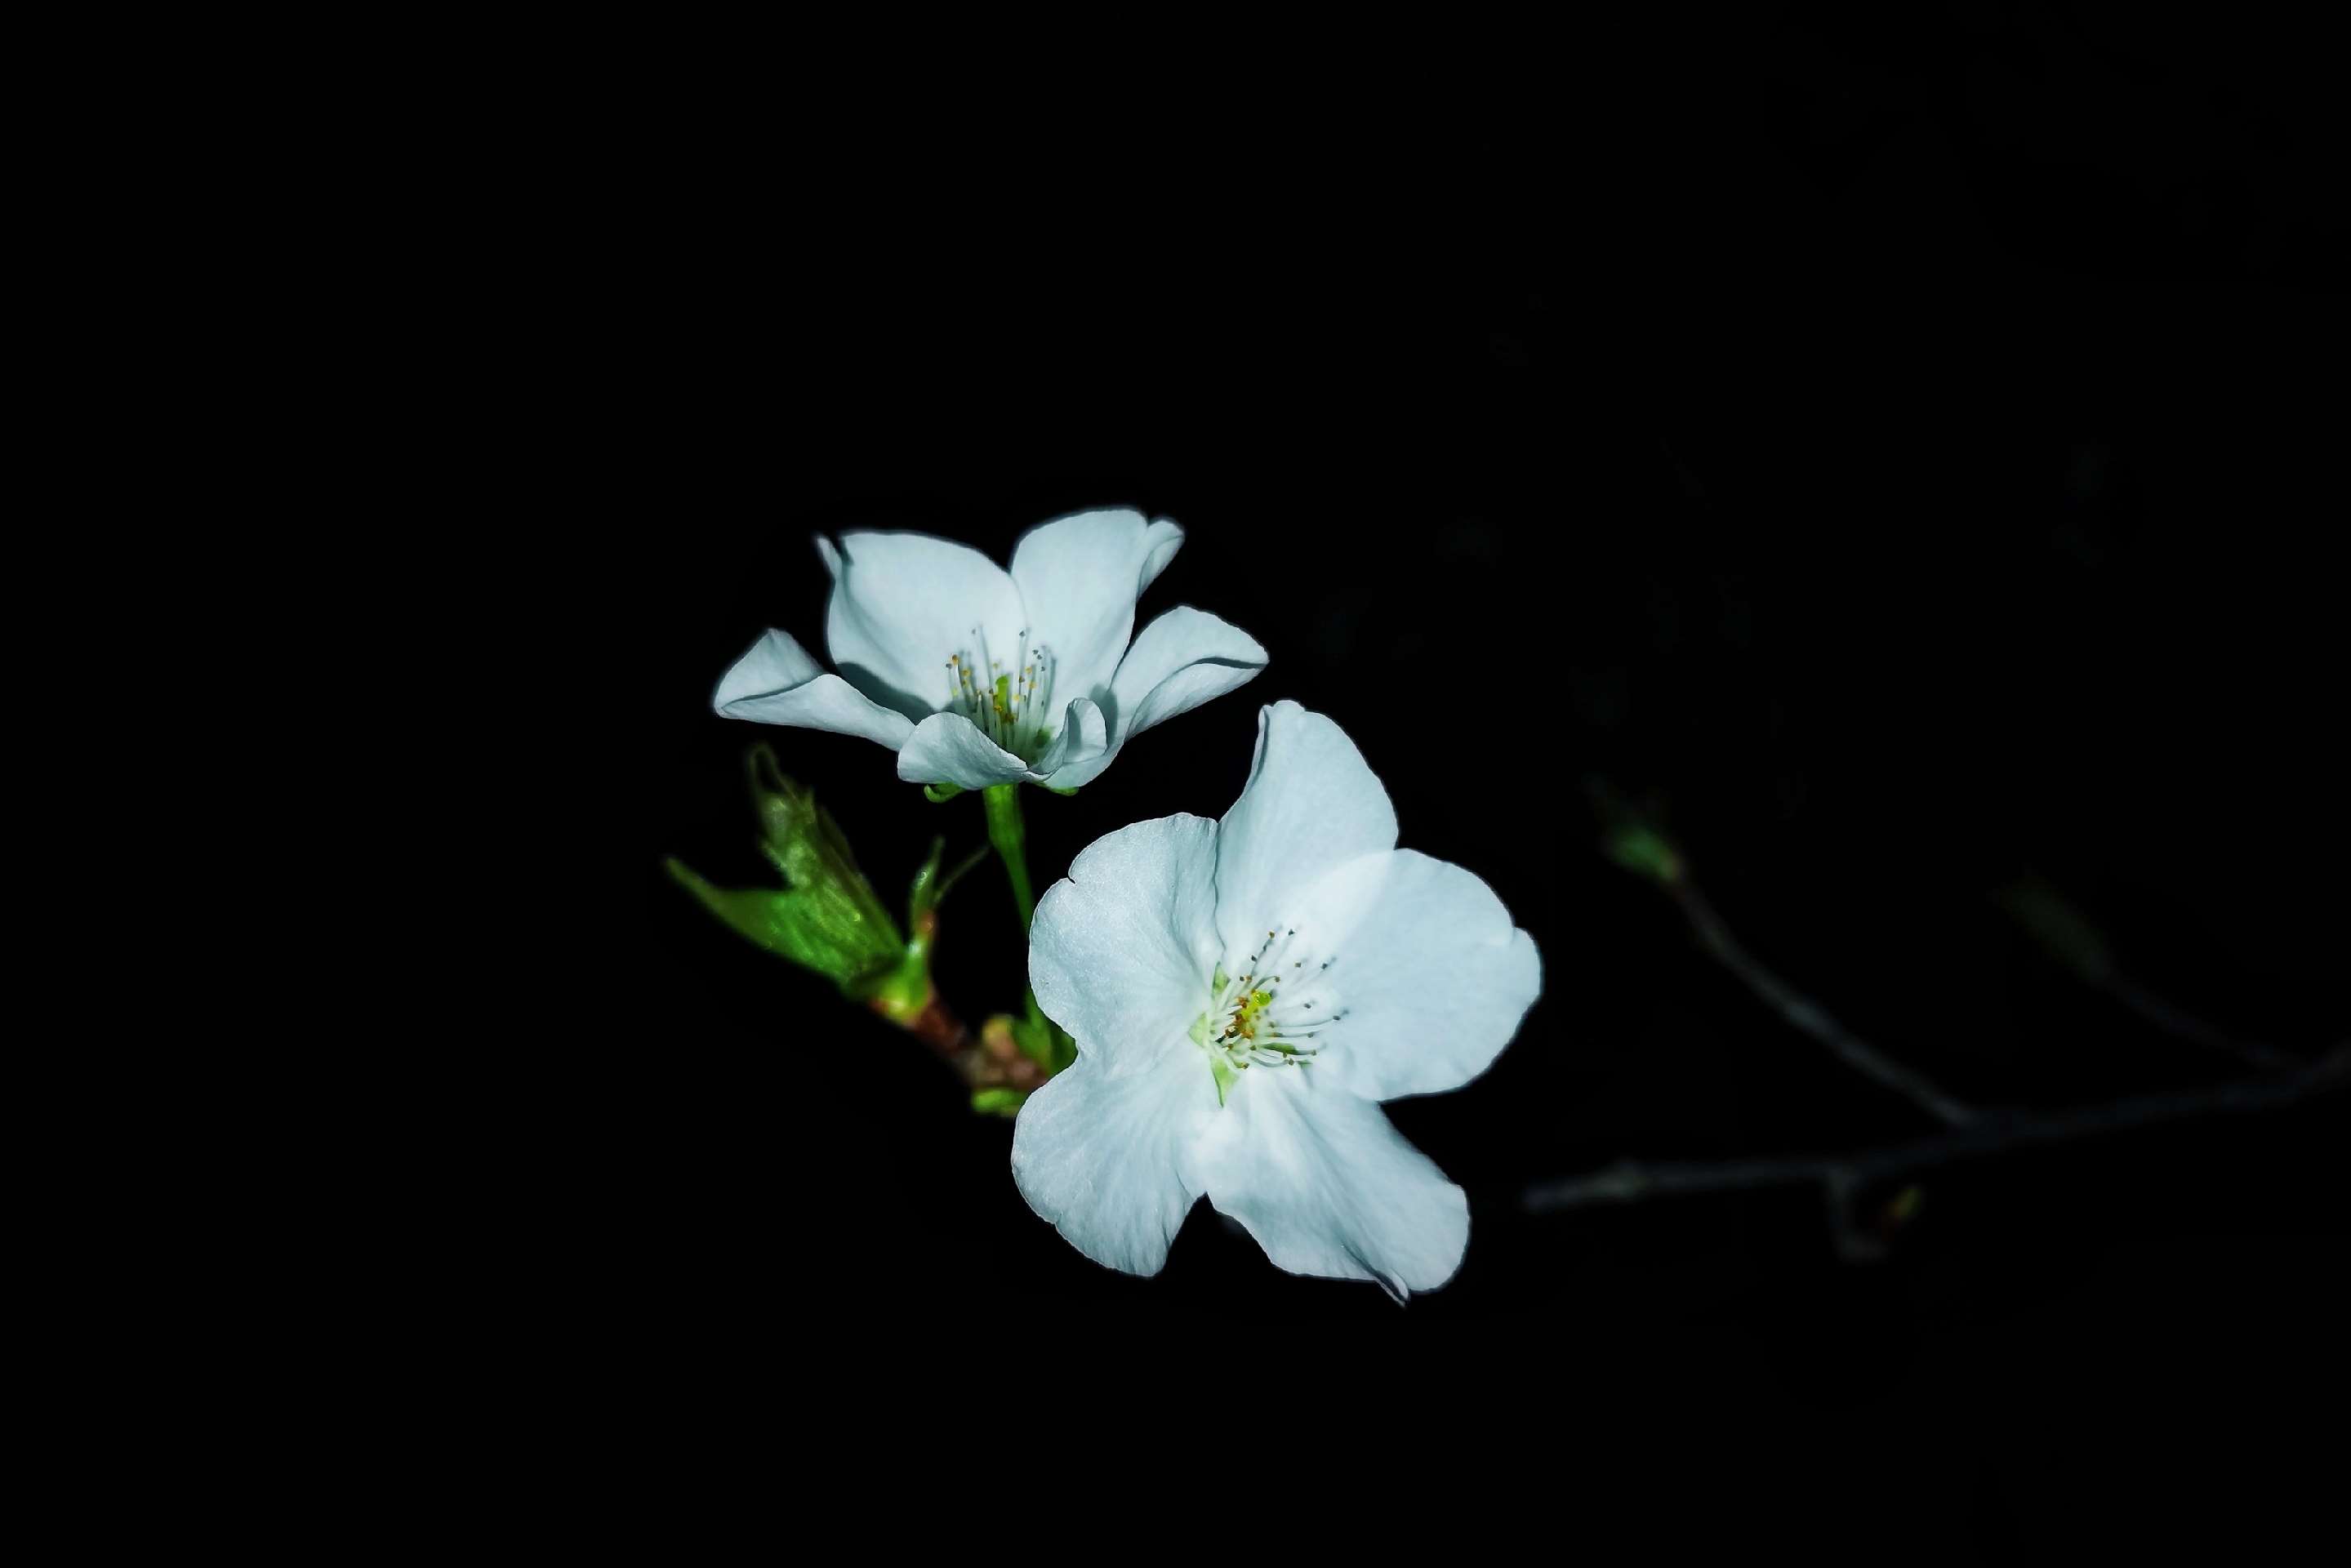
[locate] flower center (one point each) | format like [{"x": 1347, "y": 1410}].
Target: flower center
[
  {"x": 1013, "y": 705},
  {"x": 1276, "y": 1012}
]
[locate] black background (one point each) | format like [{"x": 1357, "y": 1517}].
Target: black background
[{"x": 1908, "y": 459}]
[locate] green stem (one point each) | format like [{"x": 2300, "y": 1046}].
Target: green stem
[
  {"x": 1006, "y": 832},
  {"x": 1010, "y": 836}
]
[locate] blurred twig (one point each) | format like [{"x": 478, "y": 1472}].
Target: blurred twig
[
  {"x": 1845, "y": 1174},
  {"x": 2186, "y": 1026},
  {"x": 1633, "y": 840},
  {"x": 2069, "y": 937},
  {"x": 1809, "y": 1016}
]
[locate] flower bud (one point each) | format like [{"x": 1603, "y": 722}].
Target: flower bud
[{"x": 826, "y": 917}]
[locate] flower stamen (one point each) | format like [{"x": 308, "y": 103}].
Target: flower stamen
[
  {"x": 1014, "y": 706},
  {"x": 1265, "y": 1015}
]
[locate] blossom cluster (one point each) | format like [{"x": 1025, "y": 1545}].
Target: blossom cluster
[{"x": 1244, "y": 991}]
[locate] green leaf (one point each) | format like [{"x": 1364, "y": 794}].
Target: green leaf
[{"x": 997, "y": 1102}]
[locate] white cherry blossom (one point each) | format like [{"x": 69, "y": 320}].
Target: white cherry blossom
[
  {"x": 1243, "y": 994},
  {"x": 977, "y": 676}
]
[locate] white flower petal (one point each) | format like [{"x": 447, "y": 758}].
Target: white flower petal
[
  {"x": 1121, "y": 950},
  {"x": 1083, "y": 742},
  {"x": 1100, "y": 1155},
  {"x": 1310, "y": 805},
  {"x": 947, "y": 749},
  {"x": 1181, "y": 660},
  {"x": 903, "y": 605},
  {"x": 1431, "y": 974},
  {"x": 1079, "y": 577},
  {"x": 777, "y": 682},
  {"x": 1164, "y": 539},
  {"x": 1327, "y": 1186}
]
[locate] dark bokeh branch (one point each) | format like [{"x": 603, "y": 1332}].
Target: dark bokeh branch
[
  {"x": 1845, "y": 1176},
  {"x": 2164, "y": 1015},
  {"x": 2071, "y": 939},
  {"x": 1634, "y": 842},
  {"x": 1847, "y": 1179},
  {"x": 1807, "y": 1015}
]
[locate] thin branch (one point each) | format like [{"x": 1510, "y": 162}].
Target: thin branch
[
  {"x": 1807, "y": 1015},
  {"x": 2188, "y": 1026},
  {"x": 1630, "y": 1181},
  {"x": 1846, "y": 1178},
  {"x": 2072, "y": 939}
]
